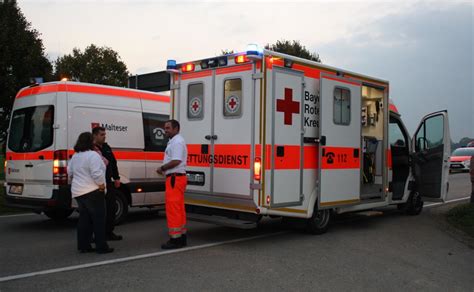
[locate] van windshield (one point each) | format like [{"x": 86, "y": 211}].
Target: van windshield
[{"x": 31, "y": 129}]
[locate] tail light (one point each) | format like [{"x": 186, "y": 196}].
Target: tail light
[
  {"x": 60, "y": 167},
  {"x": 257, "y": 168}
]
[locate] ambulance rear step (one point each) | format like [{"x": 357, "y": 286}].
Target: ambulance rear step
[
  {"x": 222, "y": 221},
  {"x": 222, "y": 217}
]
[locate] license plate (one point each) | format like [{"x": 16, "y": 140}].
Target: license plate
[
  {"x": 196, "y": 178},
  {"x": 456, "y": 165},
  {"x": 16, "y": 189}
]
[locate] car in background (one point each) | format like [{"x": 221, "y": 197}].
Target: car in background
[{"x": 461, "y": 159}]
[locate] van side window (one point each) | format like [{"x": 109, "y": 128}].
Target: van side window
[
  {"x": 430, "y": 134},
  {"x": 233, "y": 97},
  {"x": 154, "y": 130},
  {"x": 196, "y": 101},
  {"x": 342, "y": 106},
  {"x": 31, "y": 129}
]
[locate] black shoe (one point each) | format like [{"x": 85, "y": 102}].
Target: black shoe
[
  {"x": 107, "y": 250},
  {"x": 173, "y": 243},
  {"x": 114, "y": 237},
  {"x": 184, "y": 240},
  {"x": 89, "y": 249}
]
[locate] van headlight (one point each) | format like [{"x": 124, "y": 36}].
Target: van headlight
[{"x": 467, "y": 163}]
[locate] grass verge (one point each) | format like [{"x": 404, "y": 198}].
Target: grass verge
[{"x": 462, "y": 217}]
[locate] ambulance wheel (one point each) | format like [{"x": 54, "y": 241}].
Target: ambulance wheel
[
  {"x": 121, "y": 210},
  {"x": 58, "y": 214},
  {"x": 319, "y": 222},
  {"x": 414, "y": 205}
]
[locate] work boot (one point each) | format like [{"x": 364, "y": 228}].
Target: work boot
[
  {"x": 114, "y": 237},
  {"x": 173, "y": 243},
  {"x": 184, "y": 240}
]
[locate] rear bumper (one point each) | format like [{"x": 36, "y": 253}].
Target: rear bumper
[{"x": 61, "y": 199}]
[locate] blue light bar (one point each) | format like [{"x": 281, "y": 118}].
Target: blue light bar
[
  {"x": 254, "y": 51},
  {"x": 171, "y": 65}
]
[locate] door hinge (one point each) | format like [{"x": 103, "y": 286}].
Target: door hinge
[
  {"x": 303, "y": 84},
  {"x": 174, "y": 86},
  {"x": 258, "y": 75}
]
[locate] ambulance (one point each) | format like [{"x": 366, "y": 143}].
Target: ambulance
[
  {"x": 45, "y": 123},
  {"x": 271, "y": 134}
]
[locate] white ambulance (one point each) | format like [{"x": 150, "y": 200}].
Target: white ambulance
[
  {"x": 272, "y": 134},
  {"x": 45, "y": 123}
]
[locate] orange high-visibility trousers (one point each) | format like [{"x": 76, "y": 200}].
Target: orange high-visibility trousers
[{"x": 174, "y": 200}]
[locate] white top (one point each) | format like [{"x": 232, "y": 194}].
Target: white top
[
  {"x": 176, "y": 150},
  {"x": 87, "y": 171}
]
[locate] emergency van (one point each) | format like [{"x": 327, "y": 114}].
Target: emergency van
[
  {"x": 271, "y": 134},
  {"x": 45, "y": 123}
]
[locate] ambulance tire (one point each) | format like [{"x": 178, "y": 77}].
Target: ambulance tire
[
  {"x": 319, "y": 222},
  {"x": 414, "y": 205},
  {"x": 58, "y": 214},
  {"x": 122, "y": 207}
]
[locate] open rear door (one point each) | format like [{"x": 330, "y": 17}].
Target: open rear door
[{"x": 432, "y": 147}]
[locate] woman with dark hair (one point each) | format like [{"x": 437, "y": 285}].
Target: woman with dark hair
[{"x": 87, "y": 171}]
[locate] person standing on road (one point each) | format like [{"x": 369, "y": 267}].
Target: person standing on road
[
  {"x": 104, "y": 150},
  {"x": 174, "y": 167},
  {"x": 87, "y": 172}
]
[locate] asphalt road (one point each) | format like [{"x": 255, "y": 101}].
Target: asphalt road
[{"x": 389, "y": 252}]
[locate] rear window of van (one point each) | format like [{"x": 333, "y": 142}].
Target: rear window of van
[{"x": 31, "y": 129}]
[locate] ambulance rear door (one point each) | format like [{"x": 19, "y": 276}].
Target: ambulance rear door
[
  {"x": 432, "y": 148},
  {"x": 232, "y": 130},
  {"x": 194, "y": 108},
  {"x": 340, "y": 141}
]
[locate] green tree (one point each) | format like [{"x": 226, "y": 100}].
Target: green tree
[
  {"x": 22, "y": 57},
  {"x": 100, "y": 65},
  {"x": 294, "y": 48}
]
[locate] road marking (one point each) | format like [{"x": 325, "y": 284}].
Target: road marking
[
  {"x": 450, "y": 201},
  {"x": 18, "y": 215},
  {"x": 133, "y": 258}
]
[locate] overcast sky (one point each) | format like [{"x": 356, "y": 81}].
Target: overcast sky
[{"x": 424, "y": 48}]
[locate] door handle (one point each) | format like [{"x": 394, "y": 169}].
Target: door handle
[
  {"x": 214, "y": 137},
  {"x": 29, "y": 165},
  {"x": 209, "y": 137}
]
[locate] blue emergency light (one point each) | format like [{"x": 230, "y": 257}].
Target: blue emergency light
[
  {"x": 171, "y": 65},
  {"x": 254, "y": 51}
]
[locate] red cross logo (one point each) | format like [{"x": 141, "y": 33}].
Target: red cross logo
[
  {"x": 232, "y": 103},
  {"x": 288, "y": 106},
  {"x": 195, "y": 106}
]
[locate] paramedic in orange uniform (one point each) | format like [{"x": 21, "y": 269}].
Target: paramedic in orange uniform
[{"x": 174, "y": 167}]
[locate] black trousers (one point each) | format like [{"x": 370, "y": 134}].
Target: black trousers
[
  {"x": 92, "y": 215},
  {"x": 111, "y": 207}
]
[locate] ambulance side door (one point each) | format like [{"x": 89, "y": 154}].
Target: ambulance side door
[
  {"x": 287, "y": 135},
  {"x": 340, "y": 141},
  {"x": 432, "y": 147}
]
